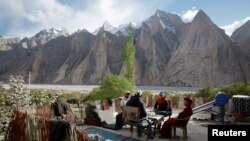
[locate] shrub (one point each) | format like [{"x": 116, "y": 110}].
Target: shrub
[
  {"x": 19, "y": 95},
  {"x": 2, "y": 99},
  {"x": 237, "y": 89},
  {"x": 146, "y": 93},
  {"x": 112, "y": 86},
  {"x": 208, "y": 93},
  {"x": 42, "y": 97}
]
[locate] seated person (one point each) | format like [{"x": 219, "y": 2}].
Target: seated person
[
  {"x": 118, "y": 105},
  {"x": 106, "y": 113},
  {"x": 162, "y": 106},
  {"x": 110, "y": 118},
  {"x": 92, "y": 116},
  {"x": 106, "y": 103},
  {"x": 135, "y": 101},
  {"x": 187, "y": 112},
  {"x": 126, "y": 97}
]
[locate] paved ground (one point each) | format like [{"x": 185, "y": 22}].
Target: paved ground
[
  {"x": 197, "y": 128},
  {"x": 196, "y": 132}
]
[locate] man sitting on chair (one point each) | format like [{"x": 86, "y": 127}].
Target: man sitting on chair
[
  {"x": 135, "y": 101},
  {"x": 187, "y": 112},
  {"x": 162, "y": 106}
]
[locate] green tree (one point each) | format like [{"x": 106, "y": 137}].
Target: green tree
[
  {"x": 114, "y": 85},
  {"x": 129, "y": 59}
]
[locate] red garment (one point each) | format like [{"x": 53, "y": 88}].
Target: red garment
[
  {"x": 186, "y": 112},
  {"x": 165, "y": 130},
  {"x": 161, "y": 104},
  {"x": 161, "y": 100}
]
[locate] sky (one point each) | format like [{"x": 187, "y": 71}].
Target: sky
[{"x": 25, "y": 18}]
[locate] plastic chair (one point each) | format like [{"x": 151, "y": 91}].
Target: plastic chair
[{"x": 182, "y": 124}]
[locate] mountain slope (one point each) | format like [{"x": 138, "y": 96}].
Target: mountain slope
[
  {"x": 242, "y": 37},
  {"x": 205, "y": 57},
  {"x": 155, "y": 41}
]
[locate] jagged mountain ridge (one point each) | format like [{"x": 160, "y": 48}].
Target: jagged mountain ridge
[
  {"x": 205, "y": 57},
  {"x": 242, "y": 37},
  {"x": 168, "y": 52}
]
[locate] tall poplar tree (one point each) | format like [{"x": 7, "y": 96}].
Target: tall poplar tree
[{"x": 129, "y": 59}]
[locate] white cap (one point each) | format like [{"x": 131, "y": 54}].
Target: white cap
[{"x": 138, "y": 93}]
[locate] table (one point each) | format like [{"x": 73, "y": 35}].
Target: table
[{"x": 156, "y": 122}]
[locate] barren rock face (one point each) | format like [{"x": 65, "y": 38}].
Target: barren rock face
[
  {"x": 242, "y": 38},
  {"x": 168, "y": 52},
  {"x": 205, "y": 56}
]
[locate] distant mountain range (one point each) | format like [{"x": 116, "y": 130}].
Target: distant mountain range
[{"x": 169, "y": 52}]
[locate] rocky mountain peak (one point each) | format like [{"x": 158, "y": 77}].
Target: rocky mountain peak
[
  {"x": 159, "y": 21},
  {"x": 81, "y": 30},
  {"x": 202, "y": 18},
  {"x": 52, "y": 33},
  {"x": 106, "y": 26},
  {"x": 43, "y": 37},
  {"x": 200, "y": 25},
  {"x": 242, "y": 37},
  {"x": 125, "y": 29},
  {"x": 244, "y": 30},
  {"x": 159, "y": 13}
]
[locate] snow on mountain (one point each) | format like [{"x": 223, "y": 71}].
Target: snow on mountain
[
  {"x": 43, "y": 37},
  {"x": 48, "y": 34},
  {"x": 124, "y": 29},
  {"x": 106, "y": 27},
  {"x": 52, "y": 33},
  {"x": 161, "y": 19}
]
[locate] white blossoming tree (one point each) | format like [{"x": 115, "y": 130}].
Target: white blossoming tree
[
  {"x": 2, "y": 100},
  {"x": 19, "y": 96},
  {"x": 42, "y": 98}
]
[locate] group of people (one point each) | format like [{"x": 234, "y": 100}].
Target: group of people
[{"x": 162, "y": 106}]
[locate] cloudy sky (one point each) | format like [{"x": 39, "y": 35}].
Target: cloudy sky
[{"x": 27, "y": 17}]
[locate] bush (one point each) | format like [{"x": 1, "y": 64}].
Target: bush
[
  {"x": 18, "y": 95},
  {"x": 2, "y": 99},
  {"x": 235, "y": 89},
  {"x": 208, "y": 93},
  {"x": 147, "y": 93},
  {"x": 112, "y": 86},
  {"x": 42, "y": 97}
]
